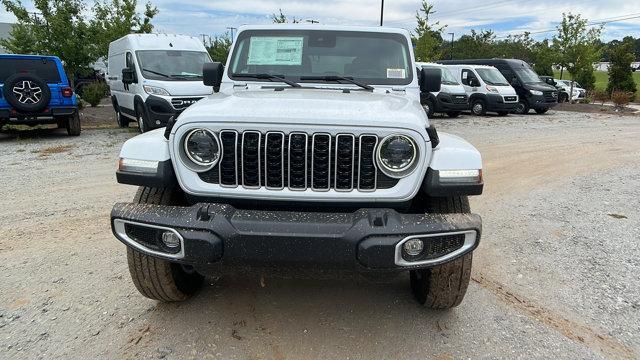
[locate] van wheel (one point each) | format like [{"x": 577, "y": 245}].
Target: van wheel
[
  {"x": 155, "y": 278},
  {"x": 522, "y": 108},
  {"x": 122, "y": 121},
  {"x": 453, "y": 114},
  {"x": 429, "y": 108},
  {"x": 141, "y": 118},
  {"x": 73, "y": 124},
  {"x": 479, "y": 107},
  {"x": 443, "y": 286}
]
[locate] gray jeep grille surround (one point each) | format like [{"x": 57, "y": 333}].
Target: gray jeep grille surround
[{"x": 298, "y": 161}]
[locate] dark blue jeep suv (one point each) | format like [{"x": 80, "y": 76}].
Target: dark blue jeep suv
[{"x": 35, "y": 90}]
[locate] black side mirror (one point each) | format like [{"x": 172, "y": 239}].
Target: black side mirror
[
  {"x": 128, "y": 76},
  {"x": 551, "y": 82},
  {"x": 430, "y": 80},
  {"x": 473, "y": 82},
  {"x": 212, "y": 75}
]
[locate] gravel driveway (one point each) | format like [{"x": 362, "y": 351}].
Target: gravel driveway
[{"x": 556, "y": 275}]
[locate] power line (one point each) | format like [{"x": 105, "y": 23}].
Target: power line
[{"x": 590, "y": 23}]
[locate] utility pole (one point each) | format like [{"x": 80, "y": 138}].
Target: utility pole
[
  {"x": 451, "y": 50},
  {"x": 232, "y": 29},
  {"x": 381, "y": 12}
]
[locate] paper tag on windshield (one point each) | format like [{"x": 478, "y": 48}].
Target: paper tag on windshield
[
  {"x": 396, "y": 74},
  {"x": 275, "y": 51}
]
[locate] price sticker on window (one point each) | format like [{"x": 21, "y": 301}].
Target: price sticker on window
[{"x": 270, "y": 50}]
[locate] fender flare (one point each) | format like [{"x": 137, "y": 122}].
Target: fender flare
[
  {"x": 476, "y": 96},
  {"x": 149, "y": 146}
]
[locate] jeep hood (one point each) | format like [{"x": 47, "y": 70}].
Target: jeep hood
[{"x": 310, "y": 107}]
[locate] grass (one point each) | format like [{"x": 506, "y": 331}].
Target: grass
[{"x": 602, "y": 79}]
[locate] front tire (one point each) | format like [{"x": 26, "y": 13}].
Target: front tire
[
  {"x": 155, "y": 278},
  {"x": 142, "y": 119},
  {"x": 479, "y": 107},
  {"x": 522, "y": 108},
  {"x": 123, "y": 122},
  {"x": 429, "y": 108},
  {"x": 443, "y": 286}
]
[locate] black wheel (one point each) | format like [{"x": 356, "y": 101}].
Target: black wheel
[
  {"x": 26, "y": 92},
  {"x": 443, "y": 286},
  {"x": 541, "y": 111},
  {"x": 122, "y": 120},
  {"x": 155, "y": 278},
  {"x": 453, "y": 114},
  {"x": 73, "y": 124},
  {"x": 478, "y": 107},
  {"x": 141, "y": 115},
  {"x": 522, "y": 108},
  {"x": 429, "y": 108},
  {"x": 563, "y": 97},
  {"x": 503, "y": 113}
]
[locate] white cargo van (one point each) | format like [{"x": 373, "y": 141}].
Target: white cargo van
[
  {"x": 487, "y": 89},
  {"x": 153, "y": 77},
  {"x": 451, "y": 99}
]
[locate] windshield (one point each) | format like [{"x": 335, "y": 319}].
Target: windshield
[
  {"x": 447, "y": 77},
  {"x": 370, "y": 58},
  {"x": 172, "y": 65},
  {"x": 527, "y": 76},
  {"x": 492, "y": 76}
]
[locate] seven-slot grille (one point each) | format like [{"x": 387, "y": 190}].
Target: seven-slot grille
[{"x": 297, "y": 161}]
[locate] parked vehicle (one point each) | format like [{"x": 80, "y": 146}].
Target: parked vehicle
[
  {"x": 533, "y": 93},
  {"x": 314, "y": 154},
  {"x": 487, "y": 89},
  {"x": 564, "y": 87},
  {"x": 154, "y": 77},
  {"x": 450, "y": 100},
  {"x": 35, "y": 90},
  {"x": 82, "y": 80}
]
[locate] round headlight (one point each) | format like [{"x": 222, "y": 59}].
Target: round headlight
[
  {"x": 397, "y": 155},
  {"x": 202, "y": 147}
]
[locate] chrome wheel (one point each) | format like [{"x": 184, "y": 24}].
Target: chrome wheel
[
  {"x": 477, "y": 108},
  {"x": 27, "y": 92}
]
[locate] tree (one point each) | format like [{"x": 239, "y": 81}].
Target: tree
[
  {"x": 281, "y": 18},
  {"x": 219, "y": 47},
  {"x": 620, "y": 74},
  {"x": 515, "y": 47},
  {"x": 579, "y": 48},
  {"x": 428, "y": 37},
  {"x": 114, "y": 19},
  {"x": 477, "y": 45},
  {"x": 58, "y": 28},
  {"x": 543, "y": 58}
]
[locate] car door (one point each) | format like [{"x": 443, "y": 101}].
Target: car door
[
  {"x": 467, "y": 75},
  {"x": 129, "y": 91}
]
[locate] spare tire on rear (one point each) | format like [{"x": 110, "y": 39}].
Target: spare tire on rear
[{"x": 26, "y": 93}]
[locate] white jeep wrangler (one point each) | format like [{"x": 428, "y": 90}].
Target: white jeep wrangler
[{"x": 313, "y": 153}]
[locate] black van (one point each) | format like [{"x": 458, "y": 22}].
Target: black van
[{"x": 533, "y": 92}]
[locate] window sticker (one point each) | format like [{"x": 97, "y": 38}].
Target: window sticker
[
  {"x": 275, "y": 51},
  {"x": 396, "y": 74}
]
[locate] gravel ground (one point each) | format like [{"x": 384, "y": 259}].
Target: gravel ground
[{"x": 555, "y": 275}]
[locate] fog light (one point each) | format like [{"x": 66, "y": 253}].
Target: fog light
[
  {"x": 170, "y": 239},
  {"x": 413, "y": 247}
]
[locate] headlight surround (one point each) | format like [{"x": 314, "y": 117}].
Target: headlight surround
[
  {"x": 397, "y": 155},
  {"x": 154, "y": 90},
  {"x": 202, "y": 149},
  {"x": 535, "y": 92}
]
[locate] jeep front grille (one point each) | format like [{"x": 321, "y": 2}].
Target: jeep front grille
[{"x": 298, "y": 161}]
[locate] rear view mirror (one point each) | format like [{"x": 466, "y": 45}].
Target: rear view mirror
[
  {"x": 430, "y": 80},
  {"x": 212, "y": 75},
  {"x": 128, "y": 76}
]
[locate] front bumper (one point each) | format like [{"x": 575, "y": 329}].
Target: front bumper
[
  {"x": 541, "y": 102},
  {"x": 161, "y": 109},
  {"x": 447, "y": 102},
  {"x": 366, "y": 240}
]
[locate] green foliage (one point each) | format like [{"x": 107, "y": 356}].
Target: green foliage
[
  {"x": 114, "y": 19},
  {"x": 543, "y": 58},
  {"x": 94, "y": 92},
  {"x": 477, "y": 45},
  {"x": 620, "y": 74},
  {"x": 281, "y": 18},
  {"x": 578, "y": 48},
  {"x": 515, "y": 47},
  {"x": 428, "y": 37},
  {"x": 58, "y": 28},
  {"x": 219, "y": 48}
]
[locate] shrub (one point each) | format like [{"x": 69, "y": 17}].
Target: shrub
[
  {"x": 599, "y": 96},
  {"x": 620, "y": 74},
  {"x": 621, "y": 98},
  {"x": 94, "y": 92}
]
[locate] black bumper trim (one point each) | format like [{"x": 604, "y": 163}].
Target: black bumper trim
[
  {"x": 433, "y": 187},
  {"x": 361, "y": 240}
]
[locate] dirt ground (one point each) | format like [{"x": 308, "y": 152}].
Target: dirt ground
[{"x": 555, "y": 276}]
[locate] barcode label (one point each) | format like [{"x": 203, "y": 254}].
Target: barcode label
[{"x": 396, "y": 74}]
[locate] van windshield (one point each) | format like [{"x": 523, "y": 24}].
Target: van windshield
[
  {"x": 492, "y": 76},
  {"x": 172, "y": 65},
  {"x": 322, "y": 56},
  {"x": 527, "y": 76}
]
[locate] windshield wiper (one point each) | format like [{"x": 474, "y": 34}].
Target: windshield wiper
[
  {"x": 156, "y": 73},
  {"x": 268, "y": 77},
  {"x": 338, "y": 78}
]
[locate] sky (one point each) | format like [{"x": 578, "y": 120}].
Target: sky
[{"x": 504, "y": 17}]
